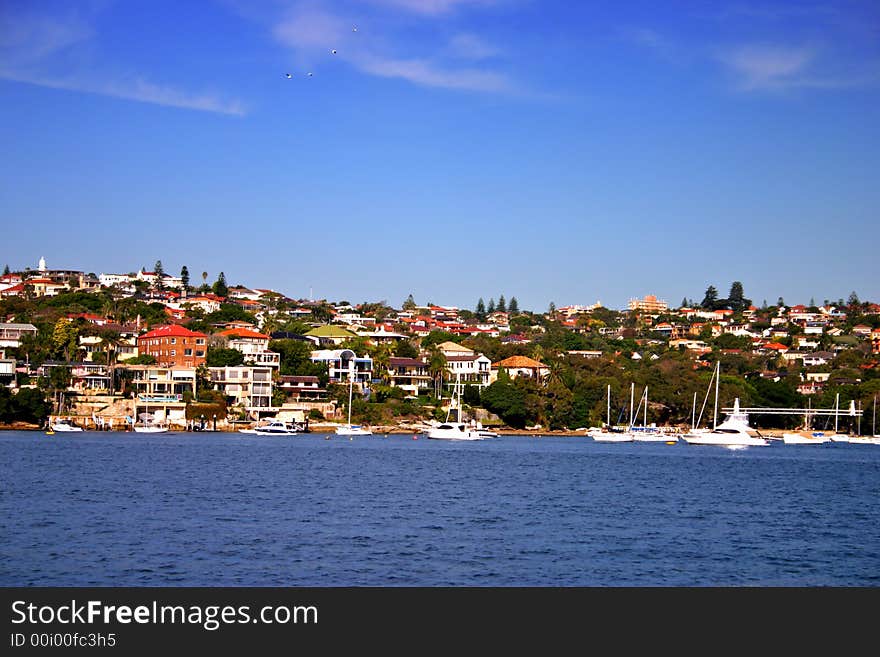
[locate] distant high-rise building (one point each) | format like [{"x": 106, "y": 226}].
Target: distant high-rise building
[{"x": 649, "y": 304}]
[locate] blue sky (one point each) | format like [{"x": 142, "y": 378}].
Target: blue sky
[{"x": 452, "y": 149}]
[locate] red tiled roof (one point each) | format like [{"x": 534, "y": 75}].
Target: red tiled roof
[
  {"x": 776, "y": 346},
  {"x": 172, "y": 330},
  {"x": 243, "y": 333}
]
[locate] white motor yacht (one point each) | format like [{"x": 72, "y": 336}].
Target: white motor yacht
[
  {"x": 64, "y": 424},
  {"x": 275, "y": 428}
]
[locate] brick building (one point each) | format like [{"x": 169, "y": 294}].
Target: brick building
[{"x": 174, "y": 346}]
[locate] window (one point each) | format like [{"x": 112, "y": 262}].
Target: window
[
  {"x": 200, "y": 353},
  {"x": 174, "y": 352},
  {"x": 173, "y": 340},
  {"x": 187, "y": 352},
  {"x": 200, "y": 340}
]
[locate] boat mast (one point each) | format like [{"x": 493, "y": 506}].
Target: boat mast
[
  {"x": 646, "y": 406},
  {"x": 350, "y": 387},
  {"x": 694, "y": 413},
  {"x": 632, "y": 392},
  {"x": 717, "y": 378},
  {"x": 609, "y": 405},
  {"x": 836, "y": 405}
]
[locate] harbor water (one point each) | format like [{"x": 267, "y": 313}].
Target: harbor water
[{"x": 220, "y": 509}]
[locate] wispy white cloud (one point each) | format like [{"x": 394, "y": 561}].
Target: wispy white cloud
[
  {"x": 310, "y": 30},
  {"x": 34, "y": 48},
  {"x": 433, "y": 7},
  {"x": 758, "y": 67},
  {"x": 425, "y": 73},
  {"x": 471, "y": 46},
  {"x": 136, "y": 89}
]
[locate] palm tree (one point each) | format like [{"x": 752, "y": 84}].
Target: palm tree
[
  {"x": 111, "y": 341},
  {"x": 436, "y": 368},
  {"x": 381, "y": 361}
]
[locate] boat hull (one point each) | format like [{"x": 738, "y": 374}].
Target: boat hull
[{"x": 724, "y": 440}]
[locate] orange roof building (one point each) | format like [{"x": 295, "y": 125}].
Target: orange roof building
[{"x": 174, "y": 346}]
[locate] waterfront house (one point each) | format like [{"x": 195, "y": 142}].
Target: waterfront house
[
  {"x": 520, "y": 366},
  {"x": 473, "y": 369},
  {"x": 254, "y": 346},
  {"x": 247, "y": 386},
  {"x": 174, "y": 345},
  {"x": 409, "y": 374},
  {"x": 162, "y": 391},
  {"x": 302, "y": 387},
  {"x": 343, "y": 364}
]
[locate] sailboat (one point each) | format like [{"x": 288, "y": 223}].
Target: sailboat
[
  {"x": 606, "y": 434},
  {"x": 806, "y": 436},
  {"x": 350, "y": 429},
  {"x": 457, "y": 430},
  {"x": 842, "y": 437},
  {"x": 644, "y": 433},
  {"x": 734, "y": 432}
]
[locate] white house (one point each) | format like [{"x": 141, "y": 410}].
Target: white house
[
  {"x": 254, "y": 346},
  {"x": 248, "y": 386},
  {"x": 344, "y": 363}
]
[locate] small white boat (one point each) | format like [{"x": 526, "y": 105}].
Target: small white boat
[
  {"x": 148, "y": 424},
  {"x": 352, "y": 430},
  {"x": 606, "y": 435},
  {"x": 806, "y": 438},
  {"x": 276, "y": 428},
  {"x": 153, "y": 428},
  {"x": 64, "y": 424},
  {"x": 454, "y": 430}
]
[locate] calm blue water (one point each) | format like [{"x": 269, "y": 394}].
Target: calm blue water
[{"x": 231, "y": 510}]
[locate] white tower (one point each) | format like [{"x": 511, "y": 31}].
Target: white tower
[{"x": 42, "y": 265}]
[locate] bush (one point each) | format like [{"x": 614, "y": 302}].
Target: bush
[{"x": 315, "y": 414}]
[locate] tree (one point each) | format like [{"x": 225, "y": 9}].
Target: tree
[
  {"x": 224, "y": 357},
  {"x": 220, "y": 288},
  {"x": 853, "y": 300},
  {"x": 205, "y": 280},
  {"x": 502, "y": 304},
  {"x": 710, "y": 299},
  {"x": 6, "y": 270},
  {"x": 552, "y": 309},
  {"x": 160, "y": 275},
  {"x": 736, "y": 300},
  {"x": 410, "y": 303},
  {"x": 436, "y": 368},
  {"x": 491, "y": 307},
  {"x": 513, "y": 306},
  {"x": 480, "y": 310},
  {"x": 405, "y": 349},
  {"x": 184, "y": 277},
  {"x": 684, "y": 303},
  {"x": 65, "y": 337}
]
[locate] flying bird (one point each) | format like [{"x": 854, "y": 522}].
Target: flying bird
[
  {"x": 354, "y": 29},
  {"x": 333, "y": 52},
  {"x": 311, "y": 74},
  {"x": 289, "y": 76}
]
